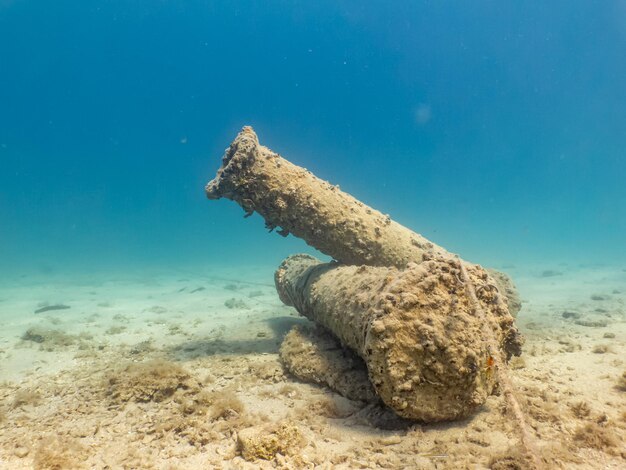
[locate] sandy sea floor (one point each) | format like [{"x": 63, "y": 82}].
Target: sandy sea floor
[{"x": 181, "y": 370}]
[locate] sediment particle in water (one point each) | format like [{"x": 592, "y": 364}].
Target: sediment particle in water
[
  {"x": 295, "y": 201},
  {"x": 415, "y": 329}
]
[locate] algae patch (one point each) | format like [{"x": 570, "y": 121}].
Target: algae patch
[
  {"x": 206, "y": 416},
  {"x": 51, "y": 339},
  {"x": 234, "y": 303},
  {"x": 580, "y": 409},
  {"x": 154, "y": 380},
  {"x": 59, "y": 454},
  {"x": 596, "y": 437},
  {"x": 265, "y": 442},
  {"x": 25, "y": 398}
]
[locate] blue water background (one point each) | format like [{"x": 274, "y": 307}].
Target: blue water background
[{"x": 495, "y": 128}]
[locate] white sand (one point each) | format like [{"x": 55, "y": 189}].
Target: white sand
[{"x": 56, "y": 403}]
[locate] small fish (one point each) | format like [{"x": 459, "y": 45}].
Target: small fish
[{"x": 52, "y": 307}]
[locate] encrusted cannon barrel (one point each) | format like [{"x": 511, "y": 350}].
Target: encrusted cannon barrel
[
  {"x": 294, "y": 200},
  {"x": 415, "y": 328}
]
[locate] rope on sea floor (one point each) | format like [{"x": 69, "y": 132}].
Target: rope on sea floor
[{"x": 527, "y": 440}]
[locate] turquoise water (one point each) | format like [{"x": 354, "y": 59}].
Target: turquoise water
[
  {"x": 139, "y": 322},
  {"x": 494, "y": 128}
]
